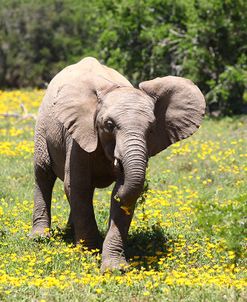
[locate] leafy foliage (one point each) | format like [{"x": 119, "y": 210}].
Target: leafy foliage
[{"x": 204, "y": 40}]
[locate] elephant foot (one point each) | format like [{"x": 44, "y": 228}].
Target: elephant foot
[
  {"x": 113, "y": 265},
  {"x": 39, "y": 231},
  {"x": 96, "y": 245}
]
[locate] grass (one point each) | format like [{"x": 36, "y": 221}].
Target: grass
[{"x": 187, "y": 241}]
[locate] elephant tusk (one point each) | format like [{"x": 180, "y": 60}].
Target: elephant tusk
[{"x": 115, "y": 162}]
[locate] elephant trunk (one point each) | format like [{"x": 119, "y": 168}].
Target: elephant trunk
[
  {"x": 134, "y": 161},
  {"x": 131, "y": 167}
]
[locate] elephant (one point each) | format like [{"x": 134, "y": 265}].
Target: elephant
[{"x": 94, "y": 128}]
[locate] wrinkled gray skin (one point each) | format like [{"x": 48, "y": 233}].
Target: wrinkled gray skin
[{"x": 95, "y": 128}]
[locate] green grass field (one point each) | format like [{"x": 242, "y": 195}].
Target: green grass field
[{"x": 187, "y": 241}]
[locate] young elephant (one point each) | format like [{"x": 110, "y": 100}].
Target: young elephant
[{"x": 95, "y": 128}]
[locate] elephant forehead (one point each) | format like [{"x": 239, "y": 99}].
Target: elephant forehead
[{"x": 129, "y": 101}]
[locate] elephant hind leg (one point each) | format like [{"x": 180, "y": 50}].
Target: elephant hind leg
[{"x": 44, "y": 182}]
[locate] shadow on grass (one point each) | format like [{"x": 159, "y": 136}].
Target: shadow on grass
[
  {"x": 143, "y": 247},
  {"x": 147, "y": 247}
]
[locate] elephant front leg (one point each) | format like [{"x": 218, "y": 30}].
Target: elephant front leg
[
  {"x": 113, "y": 254},
  {"x": 82, "y": 219},
  {"x": 79, "y": 190}
]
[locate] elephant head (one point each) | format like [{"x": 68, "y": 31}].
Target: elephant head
[
  {"x": 131, "y": 124},
  {"x": 124, "y": 120},
  {"x": 135, "y": 124}
]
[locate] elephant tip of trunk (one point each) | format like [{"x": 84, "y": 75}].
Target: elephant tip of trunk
[{"x": 127, "y": 198}]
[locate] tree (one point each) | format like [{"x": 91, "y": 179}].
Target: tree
[{"x": 204, "y": 40}]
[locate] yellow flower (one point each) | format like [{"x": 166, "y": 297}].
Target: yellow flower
[{"x": 126, "y": 210}]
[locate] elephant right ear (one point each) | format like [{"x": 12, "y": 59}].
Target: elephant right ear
[
  {"x": 179, "y": 109},
  {"x": 75, "y": 107}
]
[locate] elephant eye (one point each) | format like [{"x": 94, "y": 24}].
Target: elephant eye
[{"x": 109, "y": 126}]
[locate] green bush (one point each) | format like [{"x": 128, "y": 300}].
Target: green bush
[{"x": 204, "y": 40}]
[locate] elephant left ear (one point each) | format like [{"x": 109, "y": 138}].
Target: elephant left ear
[{"x": 179, "y": 109}]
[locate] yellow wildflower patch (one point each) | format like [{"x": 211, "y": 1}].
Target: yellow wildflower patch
[
  {"x": 187, "y": 232},
  {"x": 10, "y": 101},
  {"x": 22, "y": 148}
]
